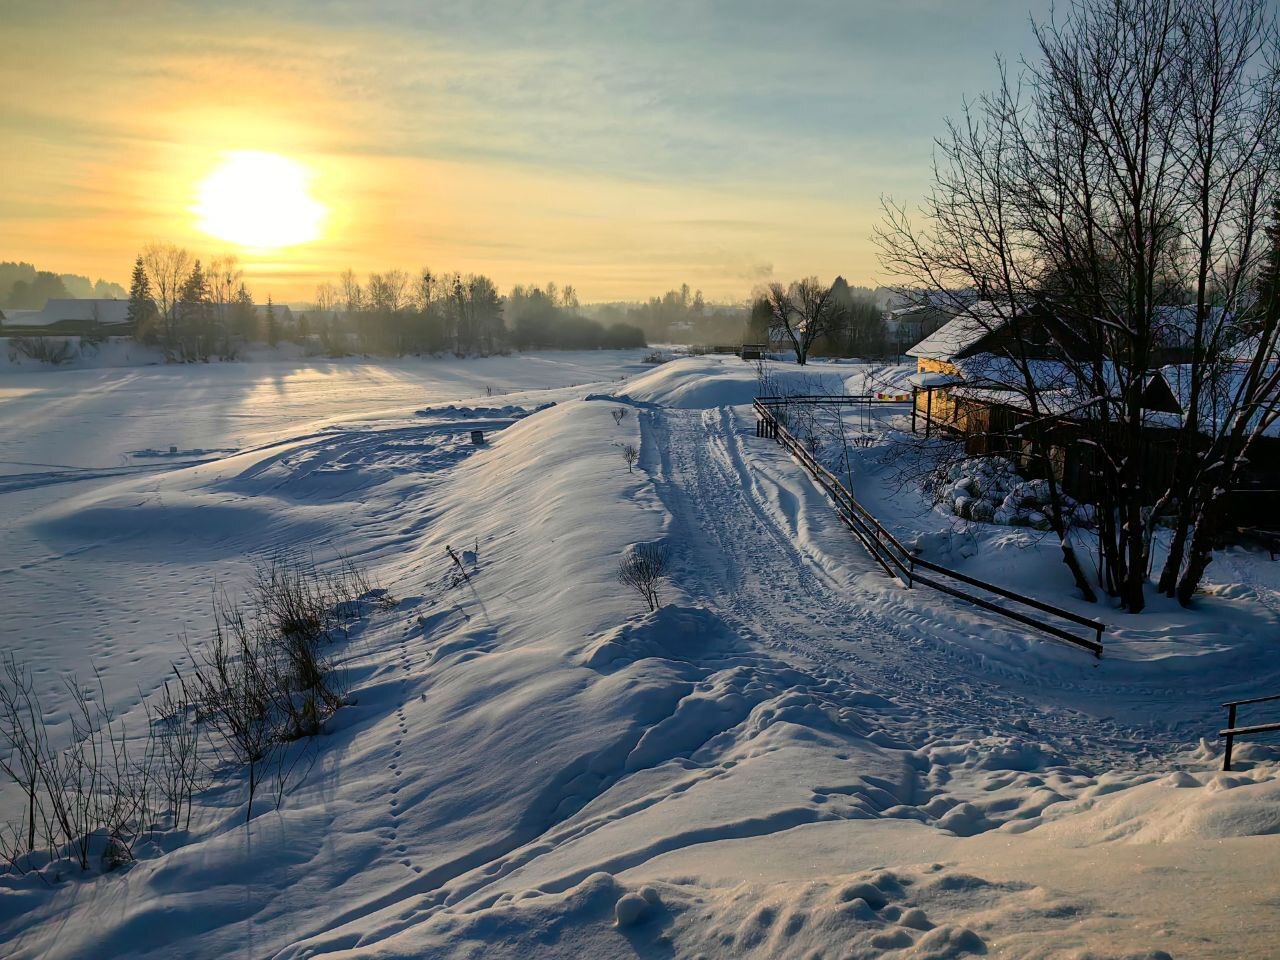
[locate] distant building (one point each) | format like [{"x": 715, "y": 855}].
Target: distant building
[
  {"x": 91, "y": 312},
  {"x": 71, "y": 312},
  {"x": 907, "y": 325},
  {"x": 284, "y": 316},
  {"x": 968, "y": 386}
]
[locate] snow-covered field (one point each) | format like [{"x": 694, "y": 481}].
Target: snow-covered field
[{"x": 791, "y": 758}]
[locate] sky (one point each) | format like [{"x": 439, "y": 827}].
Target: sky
[{"x": 622, "y": 146}]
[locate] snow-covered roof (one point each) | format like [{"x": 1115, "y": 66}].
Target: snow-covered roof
[
  {"x": 20, "y": 318},
  {"x": 931, "y": 379},
  {"x": 89, "y": 310},
  {"x": 1175, "y": 326},
  {"x": 961, "y": 332},
  {"x": 1059, "y": 389},
  {"x": 1246, "y": 348},
  {"x": 1219, "y": 393},
  {"x": 281, "y": 310}
]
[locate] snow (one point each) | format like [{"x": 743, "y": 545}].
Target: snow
[
  {"x": 962, "y": 332},
  {"x": 792, "y": 757},
  {"x": 89, "y": 310}
]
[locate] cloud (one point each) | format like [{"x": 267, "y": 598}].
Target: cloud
[{"x": 545, "y": 136}]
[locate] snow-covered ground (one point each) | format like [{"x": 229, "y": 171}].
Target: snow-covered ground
[{"x": 793, "y": 757}]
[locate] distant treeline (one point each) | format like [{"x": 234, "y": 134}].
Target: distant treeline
[
  {"x": 23, "y": 287},
  {"x": 394, "y": 313},
  {"x": 196, "y": 312},
  {"x": 844, "y": 321}
]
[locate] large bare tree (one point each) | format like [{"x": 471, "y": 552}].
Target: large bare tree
[
  {"x": 1118, "y": 184},
  {"x": 801, "y": 313},
  {"x": 168, "y": 267}
]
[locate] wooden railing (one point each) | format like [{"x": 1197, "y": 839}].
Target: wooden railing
[
  {"x": 1232, "y": 731},
  {"x": 899, "y": 562}
]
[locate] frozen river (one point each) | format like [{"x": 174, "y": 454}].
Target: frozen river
[{"x": 60, "y": 420}]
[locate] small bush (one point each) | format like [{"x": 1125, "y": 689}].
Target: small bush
[
  {"x": 642, "y": 568},
  {"x": 630, "y": 454},
  {"x": 261, "y": 681},
  {"x": 42, "y": 349}
]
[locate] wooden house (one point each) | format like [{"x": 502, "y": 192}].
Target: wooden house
[{"x": 967, "y": 386}]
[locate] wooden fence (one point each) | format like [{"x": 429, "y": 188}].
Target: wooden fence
[
  {"x": 899, "y": 562},
  {"x": 1232, "y": 731}
]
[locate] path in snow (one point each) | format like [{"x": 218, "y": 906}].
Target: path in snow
[{"x": 756, "y": 527}]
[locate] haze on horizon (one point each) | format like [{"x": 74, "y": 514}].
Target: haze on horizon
[{"x": 624, "y": 148}]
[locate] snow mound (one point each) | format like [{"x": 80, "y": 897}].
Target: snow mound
[
  {"x": 695, "y": 383},
  {"x": 1180, "y": 806},
  {"x": 669, "y": 633},
  {"x": 699, "y": 383},
  {"x": 866, "y": 914}
]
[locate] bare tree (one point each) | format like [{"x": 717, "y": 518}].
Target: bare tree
[
  {"x": 642, "y": 568},
  {"x": 630, "y": 454},
  {"x": 619, "y": 414},
  {"x": 224, "y": 277},
  {"x": 352, "y": 293},
  {"x": 1124, "y": 173},
  {"x": 167, "y": 267},
  {"x": 387, "y": 291},
  {"x": 328, "y": 298},
  {"x": 802, "y": 312}
]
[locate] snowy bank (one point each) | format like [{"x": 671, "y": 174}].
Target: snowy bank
[{"x": 791, "y": 757}]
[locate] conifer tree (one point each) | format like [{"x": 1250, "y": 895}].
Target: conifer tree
[
  {"x": 194, "y": 334},
  {"x": 142, "y": 305},
  {"x": 244, "y": 316},
  {"x": 273, "y": 327}
]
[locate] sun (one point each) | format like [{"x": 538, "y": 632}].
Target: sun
[{"x": 258, "y": 200}]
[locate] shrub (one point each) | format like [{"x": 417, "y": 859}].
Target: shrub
[
  {"x": 642, "y": 568},
  {"x": 261, "y": 681},
  {"x": 630, "y": 454}
]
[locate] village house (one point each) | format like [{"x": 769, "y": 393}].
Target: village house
[
  {"x": 70, "y": 312},
  {"x": 93, "y": 314},
  {"x": 968, "y": 386}
]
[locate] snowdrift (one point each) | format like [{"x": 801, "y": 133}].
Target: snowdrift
[{"x": 789, "y": 758}]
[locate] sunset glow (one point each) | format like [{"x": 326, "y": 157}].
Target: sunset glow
[
  {"x": 626, "y": 152},
  {"x": 258, "y": 200}
]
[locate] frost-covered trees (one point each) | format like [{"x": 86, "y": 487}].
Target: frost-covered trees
[
  {"x": 193, "y": 336},
  {"x": 167, "y": 266},
  {"x": 271, "y": 325}
]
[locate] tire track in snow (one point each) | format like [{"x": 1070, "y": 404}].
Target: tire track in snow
[{"x": 749, "y": 564}]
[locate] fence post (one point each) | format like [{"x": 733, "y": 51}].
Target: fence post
[{"x": 1231, "y": 725}]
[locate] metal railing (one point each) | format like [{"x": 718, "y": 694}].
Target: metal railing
[{"x": 894, "y": 558}]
